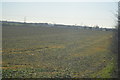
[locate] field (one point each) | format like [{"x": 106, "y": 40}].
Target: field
[{"x": 53, "y": 52}]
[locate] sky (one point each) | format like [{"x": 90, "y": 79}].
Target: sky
[
  {"x": 60, "y": 0},
  {"x": 70, "y": 13}
]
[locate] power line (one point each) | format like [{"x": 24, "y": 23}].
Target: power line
[{"x": 25, "y": 19}]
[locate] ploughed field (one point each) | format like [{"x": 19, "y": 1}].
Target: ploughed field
[{"x": 54, "y": 52}]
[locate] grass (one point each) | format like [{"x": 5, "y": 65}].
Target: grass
[
  {"x": 50, "y": 52},
  {"x": 107, "y": 71}
]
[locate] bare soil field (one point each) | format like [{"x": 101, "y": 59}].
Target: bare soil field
[{"x": 54, "y": 52}]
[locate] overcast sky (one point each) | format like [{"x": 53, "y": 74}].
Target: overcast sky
[
  {"x": 60, "y": 0},
  {"x": 80, "y": 13}
]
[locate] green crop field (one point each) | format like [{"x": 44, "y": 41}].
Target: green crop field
[{"x": 53, "y": 52}]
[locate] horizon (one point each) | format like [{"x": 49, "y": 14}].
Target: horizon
[
  {"x": 58, "y": 24},
  {"x": 81, "y": 13}
]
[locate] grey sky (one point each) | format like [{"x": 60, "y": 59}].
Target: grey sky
[{"x": 80, "y": 13}]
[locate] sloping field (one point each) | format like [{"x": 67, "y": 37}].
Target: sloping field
[{"x": 45, "y": 52}]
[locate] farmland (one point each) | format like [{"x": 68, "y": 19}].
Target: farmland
[{"x": 54, "y": 52}]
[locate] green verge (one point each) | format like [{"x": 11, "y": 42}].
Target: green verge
[{"x": 108, "y": 71}]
